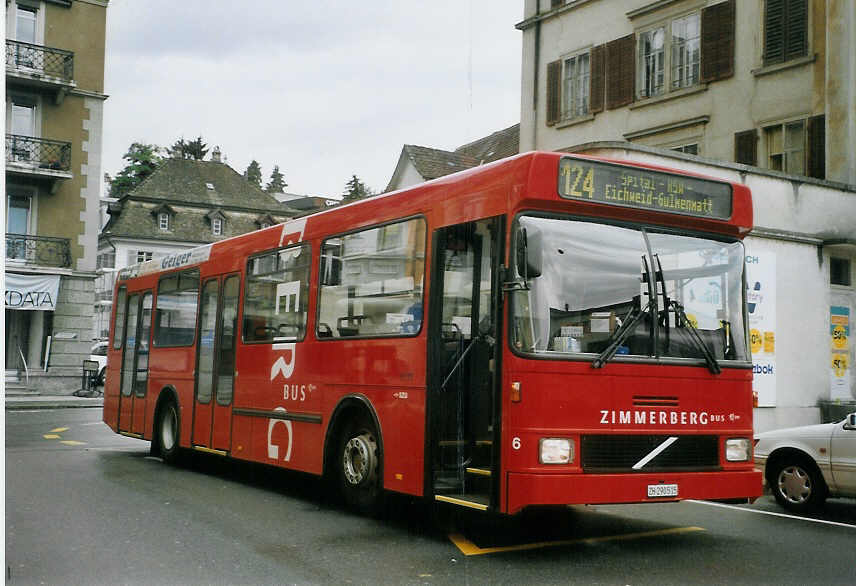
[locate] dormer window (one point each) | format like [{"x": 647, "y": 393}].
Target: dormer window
[
  {"x": 210, "y": 186},
  {"x": 163, "y": 221},
  {"x": 163, "y": 216},
  {"x": 217, "y": 226}
]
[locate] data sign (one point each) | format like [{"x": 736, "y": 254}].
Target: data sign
[{"x": 635, "y": 187}]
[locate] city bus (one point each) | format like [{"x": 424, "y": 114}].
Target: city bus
[{"x": 549, "y": 329}]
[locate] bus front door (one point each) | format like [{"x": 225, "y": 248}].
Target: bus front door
[
  {"x": 135, "y": 365},
  {"x": 463, "y": 411},
  {"x": 215, "y": 364}
]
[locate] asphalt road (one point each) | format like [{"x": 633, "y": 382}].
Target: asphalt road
[{"x": 86, "y": 506}]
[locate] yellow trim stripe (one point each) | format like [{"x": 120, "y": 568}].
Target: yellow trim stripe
[
  {"x": 129, "y": 434},
  {"x": 467, "y": 547},
  {"x": 478, "y": 471},
  {"x": 463, "y": 503},
  {"x": 211, "y": 451}
]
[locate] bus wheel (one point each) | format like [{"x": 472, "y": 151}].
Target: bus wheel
[
  {"x": 167, "y": 430},
  {"x": 358, "y": 463}
]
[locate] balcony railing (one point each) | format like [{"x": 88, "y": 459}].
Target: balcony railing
[
  {"x": 38, "y": 152},
  {"x": 41, "y": 61},
  {"x": 39, "y": 250}
]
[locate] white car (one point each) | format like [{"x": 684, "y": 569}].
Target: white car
[
  {"x": 804, "y": 465},
  {"x": 98, "y": 353}
]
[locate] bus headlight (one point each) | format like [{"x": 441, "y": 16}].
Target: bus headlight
[
  {"x": 738, "y": 449},
  {"x": 555, "y": 450}
]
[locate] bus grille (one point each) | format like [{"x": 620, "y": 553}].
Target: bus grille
[{"x": 619, "y": 453}]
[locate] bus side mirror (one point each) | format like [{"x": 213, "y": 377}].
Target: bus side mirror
[{"x": 529, "y": 253}]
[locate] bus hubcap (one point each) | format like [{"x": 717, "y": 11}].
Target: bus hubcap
[{"x": 359, "y": 459}]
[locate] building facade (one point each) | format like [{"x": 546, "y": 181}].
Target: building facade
[
  {"x": 183, "y": 204},
  {"x": 755, "y": 91},
  {"x": 54, "y": 103},
  {"x": 768, "y": 83}
]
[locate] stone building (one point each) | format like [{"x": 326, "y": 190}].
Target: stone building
[
  {"x": 183, "y": 204},
  {"x": 54, "y": 102}
]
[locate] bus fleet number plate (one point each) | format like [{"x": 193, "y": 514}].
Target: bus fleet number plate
[{"x": 661, "y": 490}]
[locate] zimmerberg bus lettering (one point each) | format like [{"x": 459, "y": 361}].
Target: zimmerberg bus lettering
[{"x": 635, "y": 417}]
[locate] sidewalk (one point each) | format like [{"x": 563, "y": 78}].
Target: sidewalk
[{"x": 17, "y": 403}]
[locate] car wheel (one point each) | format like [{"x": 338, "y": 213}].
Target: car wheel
[
  {"x": 797, "y": 484},
  {"x": 359, "y": 466},
  {"x": 167, "y": 431}
]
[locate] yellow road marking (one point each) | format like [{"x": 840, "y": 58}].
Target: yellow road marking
[
  {"x": 72, "y": 443},
  {"x": 50, "y": 436},
  {"x": 59, "y": 429},
  {"x": 467, "y": 547}
]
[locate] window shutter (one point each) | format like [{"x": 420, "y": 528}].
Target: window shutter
[
  {"x": 554, "y": 91},
  {"x": 816, "y": 156},
  {"x": 796, "y": 28},
  {"x": 745, "y": 147},
  {"x": 774, "y": 32},
  {"x": 717, "y": 41},
  {"x": 598, "y": 78},
  {"x": 621, "y": 71}
]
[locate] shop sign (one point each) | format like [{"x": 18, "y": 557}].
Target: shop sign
[{"x": 31, "y": 292}]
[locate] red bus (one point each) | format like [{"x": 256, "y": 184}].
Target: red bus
[{"x": 547, "y": 329}]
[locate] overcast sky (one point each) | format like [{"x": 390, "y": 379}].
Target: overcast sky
[{"x": 324, "y": 89}]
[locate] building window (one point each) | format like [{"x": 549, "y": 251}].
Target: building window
[
  {"x": 690, "y": 149},
  {"x": 839, "y": 271},
  {"x": 785, "y": 30},
  {"x": 786, "y": 147},
  {"x": 143, "y": 255},
  {"x": 576, "y": 77},
  {"x": 217, "y": 226},
  {"x": 163, "y": 221},
  {"x": 25, "y": 24},
  {"x": 670, "y": 56},
  {"x": 18, "y": 214}
]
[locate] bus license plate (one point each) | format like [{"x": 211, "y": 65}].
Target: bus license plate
[{"x": 662, "y": 490}]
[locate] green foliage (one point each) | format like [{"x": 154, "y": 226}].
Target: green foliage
[
  {"x": 355, "y": 189},
  {"x": 277, "y": 181},
  {"x": 142, "y": 159},
  {"x": 253, "y": 174},
  {"x": 194, "y": 150}
]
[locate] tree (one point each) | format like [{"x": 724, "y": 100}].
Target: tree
[
  {"x": 142, "y": 159},
  {"x": 355, "y": 189},
  {"x": 194, "y": 150},
  {"x": 253, "y": 174},
  {"x": 277, "y": 182}
]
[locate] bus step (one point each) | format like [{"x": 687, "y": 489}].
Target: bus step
[{"x": 473, "y": 501}]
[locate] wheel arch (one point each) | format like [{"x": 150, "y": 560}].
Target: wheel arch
[
  {"x": 166, "y": 394},
  {"x": 347, "y": 407},
  {"x": 786, "y": 453}
]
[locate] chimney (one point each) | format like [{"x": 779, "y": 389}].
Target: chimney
[{"x": 215, "y": 154}]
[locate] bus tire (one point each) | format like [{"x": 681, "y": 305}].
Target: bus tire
[
  {"x": 167, "y": 431},
  {"x": 358, "y": 466}
]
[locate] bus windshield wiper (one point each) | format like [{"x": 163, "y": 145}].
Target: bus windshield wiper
[
  {"x": 682, "y": 320},
  {"x": 633, "y": 317}
]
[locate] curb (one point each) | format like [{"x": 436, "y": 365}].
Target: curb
[{"x": 28, "y": 403}]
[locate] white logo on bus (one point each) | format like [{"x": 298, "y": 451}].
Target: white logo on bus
[{"x": 273, "y": 450}]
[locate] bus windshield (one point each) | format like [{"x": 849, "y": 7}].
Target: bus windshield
[{"x": 614, "y": 290}]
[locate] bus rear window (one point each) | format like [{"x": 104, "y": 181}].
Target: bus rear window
[{"x": 175, "y": 315}]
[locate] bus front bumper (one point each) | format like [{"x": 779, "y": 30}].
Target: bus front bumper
[{"x": 569, "y": 489}]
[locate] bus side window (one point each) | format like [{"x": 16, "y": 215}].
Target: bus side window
[
  {"x": 371, "y": 282},
  {"x": 175, "y": 311},
  {"x": 275, "y": 304}
]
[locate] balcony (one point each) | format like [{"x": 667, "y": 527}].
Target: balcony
[
  {"x": 38, "y": 158},
  {"x": 45, "y": 68},
  {"x": 38, "y": 250}
]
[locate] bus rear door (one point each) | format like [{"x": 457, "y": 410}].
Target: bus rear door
[
  {"x": 135, "y": 364},
  {"x": 215, "y": 364},
  {"x": 463, "y": 413}
]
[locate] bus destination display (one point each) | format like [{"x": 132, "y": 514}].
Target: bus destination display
[{"x": 643, "y": 189}]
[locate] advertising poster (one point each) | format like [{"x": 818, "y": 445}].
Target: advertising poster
[
  {"x": 839, "y": 332},
  {"x": 761, "y": 302}
]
